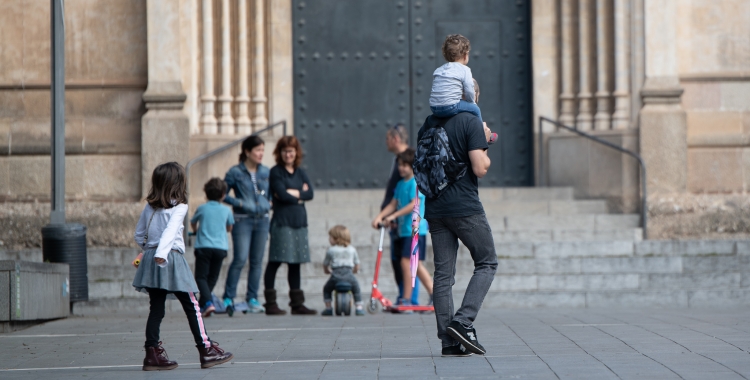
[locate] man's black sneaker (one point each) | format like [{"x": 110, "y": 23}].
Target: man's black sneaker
[
  {"x": 456, "y": 351},
  {"x": 467, "y": 337}
]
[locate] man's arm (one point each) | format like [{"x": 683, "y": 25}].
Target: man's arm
[{"x": 480, "y": 162}]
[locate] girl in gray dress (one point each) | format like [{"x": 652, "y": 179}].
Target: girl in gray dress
[{"x": 163, "y": 271}]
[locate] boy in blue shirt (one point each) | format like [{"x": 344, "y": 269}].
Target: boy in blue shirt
[
  {"x": 211, "y": 222},
  {"x": 400, "y": 209}
]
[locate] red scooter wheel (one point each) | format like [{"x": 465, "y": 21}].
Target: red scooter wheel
[{"x": 373, "y": 307}]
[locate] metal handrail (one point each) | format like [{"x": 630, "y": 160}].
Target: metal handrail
[
  {"x": 218, "y": 150},
  {"x": 543, "y": 175}
]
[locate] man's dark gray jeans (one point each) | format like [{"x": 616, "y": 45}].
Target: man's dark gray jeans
[{"x": 474, "y": 232}]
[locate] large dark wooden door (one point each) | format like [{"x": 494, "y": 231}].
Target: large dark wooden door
[{"x": 362, "y": 66}]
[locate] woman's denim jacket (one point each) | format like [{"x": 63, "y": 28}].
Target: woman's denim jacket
[{"x": 252, "y": 204}]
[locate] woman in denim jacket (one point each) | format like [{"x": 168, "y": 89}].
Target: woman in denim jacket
[{"x": 251, "y": 204}]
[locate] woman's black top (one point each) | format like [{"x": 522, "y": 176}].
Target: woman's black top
[{"x": 289, "y": 210}]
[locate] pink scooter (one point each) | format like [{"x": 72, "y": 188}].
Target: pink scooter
[{"x": 378, "y": 297}]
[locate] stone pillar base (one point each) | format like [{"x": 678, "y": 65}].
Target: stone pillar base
[{"x": 663, "y": 137}]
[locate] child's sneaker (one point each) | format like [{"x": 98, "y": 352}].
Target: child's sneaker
[
  {"x": 229, "y": 306},
  {"x": 493, "y": 138},
  {"x": 402, "y": 302},
  {"x": 359, "y": 312},
  {"x": 207, "y": 310},
  {"x": 255, "y": 307},
  {"x": 327, "y": 312}
]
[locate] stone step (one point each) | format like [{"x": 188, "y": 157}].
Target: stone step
[
  {"x": 375, "y": 196},
  {"x": 331, "y": 213},
  {"x": 506, "y": 299}
]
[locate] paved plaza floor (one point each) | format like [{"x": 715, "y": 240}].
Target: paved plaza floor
[{"x": 521, "y": 344}]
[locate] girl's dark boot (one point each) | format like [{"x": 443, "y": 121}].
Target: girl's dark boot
[
  {"x": 157, "y": 359},
  {"x": 272, "y": 308},
  {"x": 297, "y": 301},
  {"x": 213, "y": 355}
]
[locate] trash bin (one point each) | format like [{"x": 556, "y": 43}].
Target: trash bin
[{"x": 66, "y": 243}]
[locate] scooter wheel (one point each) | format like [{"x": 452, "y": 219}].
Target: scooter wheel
[{"x": 373, "y": 307}]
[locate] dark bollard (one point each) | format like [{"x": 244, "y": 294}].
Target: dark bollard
[{"x": 66, "y": 243}]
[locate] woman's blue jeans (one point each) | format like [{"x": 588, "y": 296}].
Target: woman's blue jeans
[{"x": 249, "y": 237}]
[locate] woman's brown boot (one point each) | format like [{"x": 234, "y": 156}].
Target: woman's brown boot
[
  {"x": 272, "y": 308},
  {"x": 157, "y": 359},
  {"x": 297, "y": 300}
]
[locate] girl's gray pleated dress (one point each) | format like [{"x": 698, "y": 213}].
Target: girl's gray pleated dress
[{"x": 175, "y": 277}]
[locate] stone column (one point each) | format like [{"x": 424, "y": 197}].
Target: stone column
[
  {"x": 226, "y": 122},
  {"x": 208, "y": 121},
  {"x": 260, "y": 119},
  {"x": 165, "y": 128},
  {"x": 603, "y": 118},
  {"x": 586, "y": 63},
  {"x": 567, "y": 97},
  {"x": 663, "y": 128},
  {"x": 621, "y": 117},
  {"x": 243, "y": 119}
]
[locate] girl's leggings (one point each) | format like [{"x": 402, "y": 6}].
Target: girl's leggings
[{"x": 158, "y": 298}]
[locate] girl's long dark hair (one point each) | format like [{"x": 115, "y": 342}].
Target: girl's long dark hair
[
  {"x": 168, "y": 186},
  {"x": 249, "y": 144}
]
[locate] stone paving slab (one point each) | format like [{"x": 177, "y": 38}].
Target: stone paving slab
[{"x": 633, "y": 343}]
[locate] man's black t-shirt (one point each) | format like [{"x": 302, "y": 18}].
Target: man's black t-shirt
[{"x": 465, "y": 133}]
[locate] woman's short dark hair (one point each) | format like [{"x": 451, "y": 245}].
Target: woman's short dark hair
[
  {"x": 215, "y": 188},
  {"x": 249, "y": 144},
  {"x": 288, "y": 142},
  {"x": 168, "y": 186},
  {"x": 455, "y": 47},
  {"x": 406, "y": 157}
]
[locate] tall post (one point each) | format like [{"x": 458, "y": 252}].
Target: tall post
[
  {"x": 587, "y": 65},
  {"x": 243, "y": 119},
  {"x": 259, "y": 78},
  {"x": 568, "y": 97},
  {"x": 62, "y": 242},
  {"x": 57, "y": 215},
  {"x": 226, "y": 122}
]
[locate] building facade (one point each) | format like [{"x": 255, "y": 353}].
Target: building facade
[{"x": 149, "y": 81}]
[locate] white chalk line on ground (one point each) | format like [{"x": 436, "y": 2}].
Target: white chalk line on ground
[
  {"x": 213, "y": 332},
  {"x": 244, "y": 362}
]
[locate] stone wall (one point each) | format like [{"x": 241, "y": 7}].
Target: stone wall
[
  {"x": 105, "y": 79},
  {"x": 714, "y": 66}
]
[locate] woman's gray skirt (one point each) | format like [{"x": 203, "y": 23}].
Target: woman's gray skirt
[
  {"x": 175, "y": 277},
  {"x": 288, "y": 245}
]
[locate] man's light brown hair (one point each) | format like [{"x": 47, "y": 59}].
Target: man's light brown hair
[
  {"x": 455, "y": 47},
  {"x": 340, "y": 235}
]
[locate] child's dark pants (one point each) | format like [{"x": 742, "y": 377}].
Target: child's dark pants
[
  {"x": 341, "y": 274},
  {"x": 207, "y": 268},
  {"x": 158, "y": 298}
]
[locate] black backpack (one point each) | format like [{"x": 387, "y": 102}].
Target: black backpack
[{"x": 435, "y": 167}]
